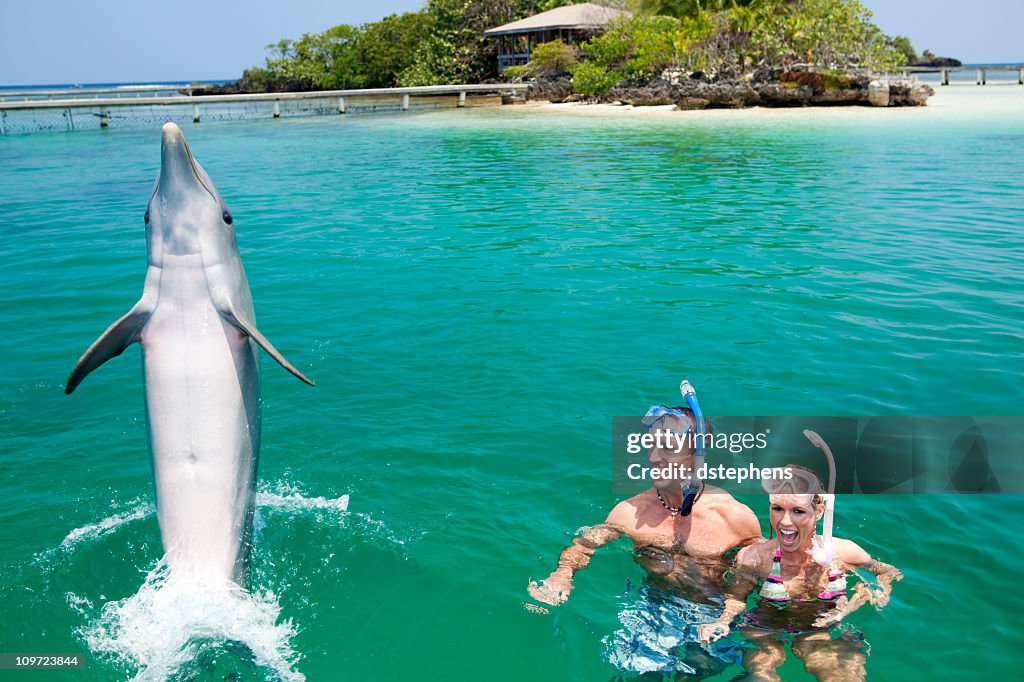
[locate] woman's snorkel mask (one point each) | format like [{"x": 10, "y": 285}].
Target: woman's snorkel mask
[
  {"x": 806, "y": 482},
  {"x": 654, "y": 416}
]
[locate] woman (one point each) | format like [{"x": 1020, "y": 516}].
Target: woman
[{"x": 802, "y": 586}]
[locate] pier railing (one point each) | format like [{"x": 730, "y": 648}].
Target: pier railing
[
  {"x": 982, "y": 71},
  {"x": 98, "y": 104}
]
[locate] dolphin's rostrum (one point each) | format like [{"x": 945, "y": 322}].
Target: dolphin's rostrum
[{"x": 198, "y": 334}]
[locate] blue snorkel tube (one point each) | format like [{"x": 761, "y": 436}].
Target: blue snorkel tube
[{"x": 692, "y": 489}]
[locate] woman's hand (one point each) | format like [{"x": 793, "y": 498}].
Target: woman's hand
[
  {"x": 554, "y": 591},
  {"x": 879, "y": 596},
  {"x": 885, "y": 575},
  {"x": 835, "y": 615}
]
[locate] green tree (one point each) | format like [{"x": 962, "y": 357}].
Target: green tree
[
  {"x": 445, "y": 43},
  {"x": 643, "y": 46},
  {"x": 590, "y": 79},
  {"x": 548, "y": 60},
  {"x": 689, "y": 8},
  {"x": 839, "y": 33},
  {"x": 902, "y": 45},
  {"x": 629, "y": 5},
  {"x": 456, "y": 51},
  {"x": 388, "y": 47},
  {"x": 315, "y": 61}
]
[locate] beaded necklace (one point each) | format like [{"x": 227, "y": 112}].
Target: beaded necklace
[{"x": 675, "y": 512}]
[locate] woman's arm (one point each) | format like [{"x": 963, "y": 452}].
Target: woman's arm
[
  {"x": 885, "y": 576},
  {"x": 851, "y": 554}
]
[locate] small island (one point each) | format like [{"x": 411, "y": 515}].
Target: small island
[{"x": 692, "y": 54}]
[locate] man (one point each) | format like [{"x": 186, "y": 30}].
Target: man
[{"x": 678, "y": 539}]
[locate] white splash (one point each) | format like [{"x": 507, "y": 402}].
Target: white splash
[
  {"x": 166, "y": 623},
  {"x": 293, "y": 501},
  {"x": 288, "y": 499},
  {"x": 106, "y": 526}
]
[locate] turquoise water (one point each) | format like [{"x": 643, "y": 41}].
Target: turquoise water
[{"x": 476, "y": 294}]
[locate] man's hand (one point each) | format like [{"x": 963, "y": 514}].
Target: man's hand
[
  {"x": 555, "y": 590},
  {"x": 709, "y": 632}
]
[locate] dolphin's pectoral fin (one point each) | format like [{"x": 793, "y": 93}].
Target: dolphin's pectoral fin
[
  {"x": 111, "y": 343},
  {"x": 249, "y": 329}
]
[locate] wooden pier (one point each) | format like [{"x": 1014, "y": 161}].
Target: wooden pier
[
  {"x": 982, "y": 71},
  {"x": 150, "y": 96}
]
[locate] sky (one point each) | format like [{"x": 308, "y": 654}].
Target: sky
[{"x": 119, "y": 41}]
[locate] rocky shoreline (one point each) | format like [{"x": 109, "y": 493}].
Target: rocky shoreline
[
  {"x": 793, "y": 88},
  {"x": 798, "y": 87}
]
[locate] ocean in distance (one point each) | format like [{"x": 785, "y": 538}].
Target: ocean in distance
[
  {"x": 477, "y": 292},
  {"x": 86, "y": 86}
]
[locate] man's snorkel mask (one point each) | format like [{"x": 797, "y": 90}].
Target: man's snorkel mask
[
  {"x": 805, "y": 482},
  {"x": 655, "y": 415}
]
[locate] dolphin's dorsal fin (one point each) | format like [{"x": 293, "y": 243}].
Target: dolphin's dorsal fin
[
  {"x": 111, "y": 343},
  {"x": 245, "y": 326}
]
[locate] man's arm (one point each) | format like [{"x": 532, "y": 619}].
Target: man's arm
[
  {"x": 556, "y": 587},
  {"x": 743, "y": 523}
]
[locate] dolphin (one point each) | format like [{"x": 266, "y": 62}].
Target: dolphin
[{"x": 200, "y": 362}]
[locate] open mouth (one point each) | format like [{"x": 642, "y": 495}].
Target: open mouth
[{"x": 788, "y": 538}]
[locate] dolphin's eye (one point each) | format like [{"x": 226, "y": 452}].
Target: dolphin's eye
[
  {"x": 146, "y": 217},
  {"x": 227, "y": 217}
]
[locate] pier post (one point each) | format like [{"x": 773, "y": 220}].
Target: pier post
[
  {"x": 71, "y": 122},
  {"x": 462, "y": 99},
  {"x": 945, "y": 77},
  {"x": 405, "y": 102},
  {"x": 341, "y": 105},
  {"x": 277, "y": 108},
  {"x": 195, "y": 113},
  {"x": 103, "y": 117}
]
